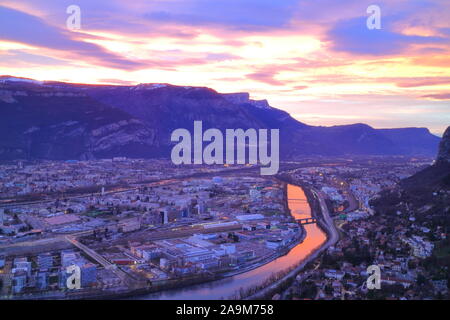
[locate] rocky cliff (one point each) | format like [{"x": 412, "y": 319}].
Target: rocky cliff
[{"x": 444, "y": 148}]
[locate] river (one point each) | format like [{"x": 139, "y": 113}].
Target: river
[{"x": 226, "y": 287}]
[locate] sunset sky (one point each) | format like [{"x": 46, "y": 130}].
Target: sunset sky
[{"x": 315, "y": 59}]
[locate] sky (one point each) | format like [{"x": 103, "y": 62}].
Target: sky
[{"x": 316, "y": 59}]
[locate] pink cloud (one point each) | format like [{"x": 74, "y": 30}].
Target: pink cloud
[{"x": 438, "y": 96}]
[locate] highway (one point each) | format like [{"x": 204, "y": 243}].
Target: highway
[
  {"x": 327, "y": 220},
  {"x": 28, "y": 246},
  {"x": 102, "y": 261},
  {"x": 59, "y": 241}
]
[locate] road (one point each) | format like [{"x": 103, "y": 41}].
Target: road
[
  {"x": 28, "y": 246},
  {"x": 352, "y": 201},
  {"x": 333, "y": 235},
  {"x": 58, "y": 241},
  {"x": 102, "y": 261}
]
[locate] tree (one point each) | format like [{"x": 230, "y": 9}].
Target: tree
[
  {"x": 421, "y": 280},
  {"x": 328, "y": 289}
]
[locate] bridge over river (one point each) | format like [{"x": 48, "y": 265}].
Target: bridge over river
[{"x": 306, "y": 221}]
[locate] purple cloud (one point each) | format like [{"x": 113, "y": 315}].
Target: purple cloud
[
  {"x": 19, "y": 58},
  {"x": 244, "y": 15},
  {"x": 265, "y": 77},
  {"x": 353, "y": 36},
  {"x": 438, "y": 96},
  {"x": 21, "y": 27}
]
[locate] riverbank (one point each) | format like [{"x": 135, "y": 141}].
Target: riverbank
[
  {"x": 312, "y": 237},
  {"x": 179, "y": 284},
  {"x": 327, "y": 225}
]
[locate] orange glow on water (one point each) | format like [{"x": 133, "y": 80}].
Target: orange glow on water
[{"x": 225, "y": 288}]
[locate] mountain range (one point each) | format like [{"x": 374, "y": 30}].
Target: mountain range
[{"x": 60, "y": 121}]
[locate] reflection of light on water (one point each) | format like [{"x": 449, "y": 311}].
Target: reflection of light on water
[
  {"x": 224, "y": 288},
  {"x": 297, "y": 202}
]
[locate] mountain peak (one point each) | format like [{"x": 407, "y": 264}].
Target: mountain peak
[
  {"x": 444, "y": 148},
  {"x": 244, "y": 98}
]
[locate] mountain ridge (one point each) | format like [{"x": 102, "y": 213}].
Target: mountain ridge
[{"x": 137, "y": 120}]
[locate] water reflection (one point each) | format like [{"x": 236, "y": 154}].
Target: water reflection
[{"x": 227, "y": 287}]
